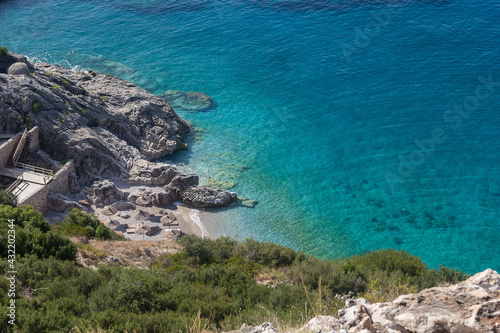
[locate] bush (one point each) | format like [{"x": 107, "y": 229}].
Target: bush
[
  {"x": 102, "y": 232},
  {"x": 451, "y": 275},
  {"x": 75, "y": 230},
  {"x": 77, "y": 217},
  {"x": 8, "y": 198},
  {"x": 78, "y": 223},
  {"x": 37, "y": 107},
  {"x": 209, "y": 284},
  {"x": 33, "y": 235},
  {"x": 3, "y": 51}
]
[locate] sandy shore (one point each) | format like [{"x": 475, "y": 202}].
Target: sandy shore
[{"x": 186, "y": 219}]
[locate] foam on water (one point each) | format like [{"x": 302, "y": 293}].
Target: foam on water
[
  {"x": 194, "y": 215},
  {"x": 319, "y": 111}
]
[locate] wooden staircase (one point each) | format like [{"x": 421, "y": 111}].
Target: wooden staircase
[
  {"x": 20, "y": 147},
  {"x": 12, "y": 174}
]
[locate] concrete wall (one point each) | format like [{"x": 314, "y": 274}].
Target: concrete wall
[
  {"x": 60, "y": 184},
  {"x": 7, "y": 148},
  {"x": 33, "y": 140}
]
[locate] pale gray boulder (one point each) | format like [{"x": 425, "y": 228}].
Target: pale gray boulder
[
  {"x": 203, "y": 197},
  {"x": 19, "y": 68}
]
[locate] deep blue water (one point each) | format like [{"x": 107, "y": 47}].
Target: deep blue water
[{"x": 326, "y": 111}]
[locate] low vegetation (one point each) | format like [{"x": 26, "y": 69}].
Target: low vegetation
[
  {"x": 8, "y": 198},
  {"x": 207, "y": 285},
  {"x": 37, "y": 107},
  {"x": 78, "y": 223},
  {"x": 3, "y": 51}
]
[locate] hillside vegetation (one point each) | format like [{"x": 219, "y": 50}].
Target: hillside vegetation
[{"x": 208, "y": 284}]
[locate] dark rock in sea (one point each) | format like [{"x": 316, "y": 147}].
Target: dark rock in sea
[
  {"x": 105, "y": 65},
  {"x": 398, "y": 240},
  {"x": 190, "y": 101},
  {"x": 429, "y": 216},
  {"x": 202, "y": 197}
]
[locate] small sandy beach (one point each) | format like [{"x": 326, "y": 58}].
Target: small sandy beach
[{"x": 185, "y": 218}]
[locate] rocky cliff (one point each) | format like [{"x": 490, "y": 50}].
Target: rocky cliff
[
  {"x": 467, "y": 307},
  {"x": 111, "y": 128}
]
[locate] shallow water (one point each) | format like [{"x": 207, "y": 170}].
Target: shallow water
[{"x": 325, "y": 111}]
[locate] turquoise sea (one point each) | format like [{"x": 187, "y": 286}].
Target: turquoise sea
[{"x": 356, "y": 124}]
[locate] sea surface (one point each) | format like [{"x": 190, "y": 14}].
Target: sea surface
[{"x": 355, "y": 124}]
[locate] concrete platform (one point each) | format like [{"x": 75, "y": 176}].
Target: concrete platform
[
  {"x": 29, "y": 176},
  {"x": 32, "y": 182},
  {"x": 25, "y": 189}
]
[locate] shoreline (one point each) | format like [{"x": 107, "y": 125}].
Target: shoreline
[
  {"x": 184, "y": 217},
  {"x": 113, "y": 171}
]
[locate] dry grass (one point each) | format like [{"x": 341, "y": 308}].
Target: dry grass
[
  {"x": 100, "y": 330},
  {"x": 129, "y": 253},
  {"x": 272, "y": 277}
]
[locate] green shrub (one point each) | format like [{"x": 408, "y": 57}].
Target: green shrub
[
  {"x": 102, "y": 232},
  {"x": 3, "y": 51},
  {"x": 8, "y": 198},
  {"x": 36, "y": 272},
  {"x": 77, "y": 217},
  {"x": 33, "y": 235},
  {"x": 209, "y": 284},
  {"x": 75, "y": 230},
  {"x": 37, "y": 107},
  {"x": 451, "y": 275},
  {"x": 78, "y": 223}
]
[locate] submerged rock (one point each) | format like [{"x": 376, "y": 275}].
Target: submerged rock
[
  {"x": 105, "y": 65},
  {"x": 202, "y": 197},
  {"x": 247, "y": 202},
  {"x": 190, "y": 101},
  {"x": 221, "y": 183}
]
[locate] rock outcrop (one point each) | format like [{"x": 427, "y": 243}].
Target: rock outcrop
[
  {"x": 180, "y": 187},
  {"x": 8, "y": 59},
  {"x": 108, "y": 126},
  {"x": 19, "y": 68},
  {"x": 203, "y": 197},
  {"x": 472, "y": 306},
  {"x": 59, "y": 203}
]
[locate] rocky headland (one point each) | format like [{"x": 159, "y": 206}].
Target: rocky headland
[
  {"x": 472, "y": 306},
  {"x": 111, "y": 129}
]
